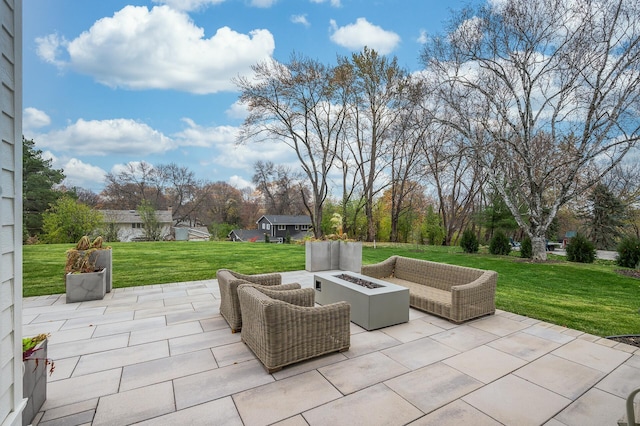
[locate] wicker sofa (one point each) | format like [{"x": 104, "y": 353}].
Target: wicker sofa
[
  {"x": 228, "y": 282},
  {"x": 283, "y": 327},
  {"x": 454, "y": 292}
]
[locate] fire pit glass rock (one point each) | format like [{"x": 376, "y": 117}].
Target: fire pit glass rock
[{"x": 358, "y": 281}]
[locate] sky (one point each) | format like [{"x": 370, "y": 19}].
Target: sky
[{"x": 108, "y": 83}]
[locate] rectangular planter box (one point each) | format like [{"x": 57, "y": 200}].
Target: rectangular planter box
[
  {"x": 86, "y": 286},
  {"x": 34, "y": 383},
  {"x": 370, "y": 308},
  {"x": 333, "y": 255}
]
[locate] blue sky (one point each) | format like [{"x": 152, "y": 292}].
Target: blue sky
[{"x": 107, "y": 83}]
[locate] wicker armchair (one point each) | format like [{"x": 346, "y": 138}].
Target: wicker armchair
[
  {"x": 283, "y": 327},
  {"x": 228, "y": 281}
]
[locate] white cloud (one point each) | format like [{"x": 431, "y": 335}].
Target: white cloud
[
  {"x": 237, "y": 111},
  {"x": 188, "y": 5},
  {"x": 422, "y": 38},
  {"x": 49, "y": 47},
  {"x": 160, "y": 48},
  {"x": 363, "y": 33},
  {"x": 240, "y": 183},
  {"x": 196, "y": 135},
  {"x": 300, "y": 19},
  {"x": 33, "y": 118},
  {"x": 263, "y": 3},
  {"x": 334, "y": 3},
  {"x": 83, "y": 175},
  {"x": 117, "y": 136}
]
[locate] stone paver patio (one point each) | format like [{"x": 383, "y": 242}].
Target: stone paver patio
[{"x": 163, "y": 355}]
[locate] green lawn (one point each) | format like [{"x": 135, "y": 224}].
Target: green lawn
[{"x": 589, "y": 297}]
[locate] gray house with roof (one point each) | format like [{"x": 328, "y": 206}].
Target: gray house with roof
[{"x": 277, "y": 227}]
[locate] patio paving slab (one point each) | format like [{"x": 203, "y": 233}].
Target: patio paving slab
[
  {"x": 221, "y": 412},
  {"x": 454, "y": 414},
  {"x": 375, "y": 405},
  {"x": 114, "y": 358},
  {"x": 592, "y": 355},
  {"x": 167, "y": 368},
  {"x": 560, "y": 375},
  {"x": 81, "y": 388},
  {"x": 464, "y": 337},
  {"x": 433, "y": 386},
  {"x": 594, "y": 408},
  {"x": 135, "y": 405},
  {"x": 524, "y": 345},
  {"x": 209, "y": 385},
  {"x": 358, "y": 373},
  {"x": 515, "y": 401},
  {"x": 622, "y": 381},
  {"x": 484, "y": 363},
  {"x": 273, "y": 402},
  {"x": 419, "y": 353}
]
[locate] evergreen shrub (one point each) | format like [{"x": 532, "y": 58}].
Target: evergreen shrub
[
  {"x": 526, "y": 250},
  {"x": 469, "y": 242},
  {"x": 629, "y": 253},
  {"x": 581, "y": 250},
  {"x": 500, "y": 244}
]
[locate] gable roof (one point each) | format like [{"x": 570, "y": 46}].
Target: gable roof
[
  {"x": 132, "y": 216},
  {"x": 286, "y": 219}
]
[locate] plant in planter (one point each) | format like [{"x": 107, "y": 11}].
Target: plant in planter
[
  {"x": 34, "y": 378},
  {"x": 87, "y": 268}
]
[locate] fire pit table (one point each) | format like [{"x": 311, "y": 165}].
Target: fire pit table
[{"x": 374, "y": 303}]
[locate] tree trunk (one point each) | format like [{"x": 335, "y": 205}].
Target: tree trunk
[{"x": 539, "y": 248}]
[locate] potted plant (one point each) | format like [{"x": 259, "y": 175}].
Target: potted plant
[
  {"x": 86, "y": 271},
  {"x": 34, "y": 377}
]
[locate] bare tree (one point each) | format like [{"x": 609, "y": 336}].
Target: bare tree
[
  {"x": 546, "y": 95},
  {"x": 296, "y": 103},
  {"x": 376, "y": 88},
  {"x": 282, "y": 191}
]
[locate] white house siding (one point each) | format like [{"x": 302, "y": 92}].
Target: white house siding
[{"x": 11, "y": 401}]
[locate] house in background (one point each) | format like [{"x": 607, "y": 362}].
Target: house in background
[
  {"x": 130, "y": 226},
  {"x": 277, "y": 227}
]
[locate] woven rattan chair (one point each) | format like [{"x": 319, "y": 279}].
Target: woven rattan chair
[
  {"x": 228, "y": 281},
  {"x": 283, "y": 327}
]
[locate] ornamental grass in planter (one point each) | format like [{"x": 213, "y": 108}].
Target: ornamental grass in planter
[{"x": 87, "y": 271}]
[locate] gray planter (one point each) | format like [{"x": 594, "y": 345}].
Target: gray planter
[
  {"x": 34, "y": 382},
  {"x": 350, "y": 256},
  {"x": 333, "y": 255},
  {"x": 85, "y": 286},
  {"x": 104, "y": 261}
]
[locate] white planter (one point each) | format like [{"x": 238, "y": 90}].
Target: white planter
[
  {"x": 34, "y": 382},
  {"x": 85, "y": 286}
]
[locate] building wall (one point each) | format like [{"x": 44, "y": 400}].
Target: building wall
[{"x": 11, "y": 401}]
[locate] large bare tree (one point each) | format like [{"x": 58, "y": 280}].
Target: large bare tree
[
  {"x": 546, "y": 94},
  {"x": 376, "y": 89},
  {"x": 297, "y": 103}
]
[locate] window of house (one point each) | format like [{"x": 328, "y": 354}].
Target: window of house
[
  {"x": 282, "y": 227},
  {"x": 268, "y": 226},
  {"x": 297, "y": 227},
  {"x": 304, "y": 227}
]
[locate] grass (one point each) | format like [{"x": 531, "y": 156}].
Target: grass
[{"x": 588, "y": 297}]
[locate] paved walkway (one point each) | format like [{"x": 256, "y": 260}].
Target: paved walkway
[{"x": 162, "y": 355}]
